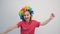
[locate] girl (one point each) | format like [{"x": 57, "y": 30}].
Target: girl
[{"x": 27, "y": 24}]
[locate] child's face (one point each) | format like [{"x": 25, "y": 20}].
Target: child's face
[{"x": 27, "y": 16}]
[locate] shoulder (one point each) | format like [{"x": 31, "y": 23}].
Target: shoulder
[
  {"x": 35, "y": 21},
  {"x": 20, "y": 22}
]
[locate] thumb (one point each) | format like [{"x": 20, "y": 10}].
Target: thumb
[{"x": 52, "y": 14}]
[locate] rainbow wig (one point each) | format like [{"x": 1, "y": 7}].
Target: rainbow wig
[{"x": 26, "y": 8}]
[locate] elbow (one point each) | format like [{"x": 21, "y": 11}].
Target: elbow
[{"x": 42, "y": 24}]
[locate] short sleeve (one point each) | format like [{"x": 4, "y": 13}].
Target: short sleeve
[
  {"x": 37, "y": 24},
  {"x": 19, "y": 24}
]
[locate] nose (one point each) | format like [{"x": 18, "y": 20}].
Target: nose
[{"x": 26, "y": 16}]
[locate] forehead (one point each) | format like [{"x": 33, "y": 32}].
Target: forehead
[{"x": 26, "y": 12}]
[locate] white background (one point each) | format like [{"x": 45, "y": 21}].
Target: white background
[{"x": 42, "y": 9}]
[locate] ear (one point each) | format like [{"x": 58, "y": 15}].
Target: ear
[{"x": 30, "y": 16}]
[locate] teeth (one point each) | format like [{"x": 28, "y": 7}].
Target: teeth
[{"x": 26, "y": 18}]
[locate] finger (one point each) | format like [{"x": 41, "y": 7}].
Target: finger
[{"x": 53, "y": 15}]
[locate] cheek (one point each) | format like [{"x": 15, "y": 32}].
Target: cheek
[
  {"x": 24, "y": 17},
  {"x": 29, "y": 16}
]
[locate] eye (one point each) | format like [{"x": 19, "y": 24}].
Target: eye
[
  {"x": 27, "y": 15},
  {"x": 24, "y": 15}
]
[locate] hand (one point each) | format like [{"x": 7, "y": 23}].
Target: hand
[
  {"x": 52, "y": 15},
  {"x": 2, "y": 33}
]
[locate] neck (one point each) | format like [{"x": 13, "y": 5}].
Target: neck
[{"x": 28, "y": 21}]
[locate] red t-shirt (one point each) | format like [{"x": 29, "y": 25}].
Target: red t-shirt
[{"x": 28, "y": 28}]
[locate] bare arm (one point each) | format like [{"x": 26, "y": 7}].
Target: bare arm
[
  {"x": 10, "y": 28},
  {"x": 48, "y": 20}
]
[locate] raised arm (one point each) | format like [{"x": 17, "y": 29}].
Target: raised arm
[
  {"x": 10, "y": 28},
  {"x": 48, "y": 20}
]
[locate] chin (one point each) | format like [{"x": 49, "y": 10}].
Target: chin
[{"x": 27, "y": 20}]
